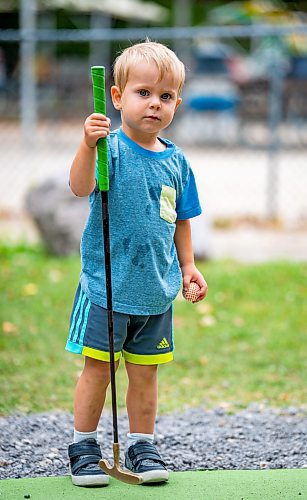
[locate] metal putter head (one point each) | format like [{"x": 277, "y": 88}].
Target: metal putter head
[{"x": 116, "y": 471}]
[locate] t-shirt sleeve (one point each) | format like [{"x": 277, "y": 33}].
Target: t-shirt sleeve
[{"x": 188, "y": 205}]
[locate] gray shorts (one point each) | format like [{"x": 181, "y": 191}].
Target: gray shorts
[{"x": 142, "y": 340}]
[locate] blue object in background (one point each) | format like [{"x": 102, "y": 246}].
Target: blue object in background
[
  {"x": 212, "y": 103},
  {"x": 298, "y": 67}
]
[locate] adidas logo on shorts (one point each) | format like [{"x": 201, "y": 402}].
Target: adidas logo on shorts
[{"x": 163, "y": 344}]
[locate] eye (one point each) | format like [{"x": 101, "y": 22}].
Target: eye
[
  {"x": 166, "y": 96},
  {"x": 143, "y": 93}
]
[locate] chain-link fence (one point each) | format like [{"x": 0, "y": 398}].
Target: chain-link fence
[{"x": 243, "y": 122}]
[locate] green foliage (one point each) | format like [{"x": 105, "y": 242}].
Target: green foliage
[
  {"x": 247, "y": 342},
  {"x": 244, "y": 343}
]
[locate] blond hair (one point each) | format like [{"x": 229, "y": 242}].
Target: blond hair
[{"x": 164, "y": 58}]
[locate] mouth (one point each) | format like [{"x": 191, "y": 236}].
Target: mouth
[{"x": 153, "y": 117}]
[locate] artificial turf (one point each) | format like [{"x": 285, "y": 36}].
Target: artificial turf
[{"x": 278, "y": 484}]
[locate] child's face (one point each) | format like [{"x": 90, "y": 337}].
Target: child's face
[{"x": 147, "y": 105}]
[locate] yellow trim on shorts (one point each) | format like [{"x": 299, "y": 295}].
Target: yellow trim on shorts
[
  {"x": 150, "y": 359},
  {"x": 101, "y": 355}
]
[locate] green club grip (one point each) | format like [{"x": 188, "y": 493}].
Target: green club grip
[{"x": 99, "y": 94}]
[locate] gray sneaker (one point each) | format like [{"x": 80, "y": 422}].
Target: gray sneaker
[
  {"x": 84, "y": 458},
  {"x": 144, "y": 459}
]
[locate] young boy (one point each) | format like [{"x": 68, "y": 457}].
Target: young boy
[{"x": 151, "y": 199}]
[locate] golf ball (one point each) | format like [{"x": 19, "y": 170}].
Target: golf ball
[{"x": 191, "y": 293}]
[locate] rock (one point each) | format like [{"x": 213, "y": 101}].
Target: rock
[{"x": 59, "y": 214}]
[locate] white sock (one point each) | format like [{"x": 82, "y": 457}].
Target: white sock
[
  {"x": 134, "y": 437},
  {"x": 79, "y": 436}
]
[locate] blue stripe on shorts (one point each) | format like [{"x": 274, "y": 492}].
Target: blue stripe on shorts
[{"x": 79, "y": 318}]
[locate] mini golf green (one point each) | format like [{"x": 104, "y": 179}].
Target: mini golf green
[{"x": 208, "y": 485}]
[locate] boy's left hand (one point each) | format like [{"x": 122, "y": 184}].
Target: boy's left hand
[{"x": 191, "y": 273}]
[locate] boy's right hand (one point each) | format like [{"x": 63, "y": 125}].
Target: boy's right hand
[{"x": 96, "y": 126}]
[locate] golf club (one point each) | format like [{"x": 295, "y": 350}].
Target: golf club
[{"x": 98, "y": 80}]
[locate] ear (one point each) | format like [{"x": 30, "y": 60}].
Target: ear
[
  {"x": 116, "y": 97},
  {"x": 179, "y": 101}
]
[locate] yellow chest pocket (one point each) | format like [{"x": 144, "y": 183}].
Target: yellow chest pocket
[{"x": 168, "y": 204}]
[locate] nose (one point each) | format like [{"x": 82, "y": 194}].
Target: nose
[{"x": 155, "y": 102}]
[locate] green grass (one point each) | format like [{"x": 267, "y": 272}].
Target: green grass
[{"x": 245, "y": 343}]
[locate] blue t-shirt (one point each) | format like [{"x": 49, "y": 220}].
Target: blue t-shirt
[{"x": 148, "y": 192}]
